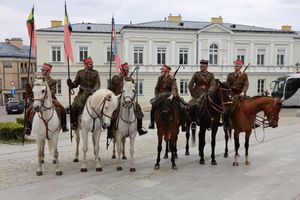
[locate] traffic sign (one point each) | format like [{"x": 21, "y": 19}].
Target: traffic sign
[{"x": 13, "y": 91}]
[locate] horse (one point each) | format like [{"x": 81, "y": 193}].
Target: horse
[
  {"x": 126, "y": 123},
  {"x": 208, "y": 117},
  {"x": 45, "y": 124},
  {"x": 167, "y": 122},
  {"x": 96, "y": 118},
  {"x": 243, "y": 120}
]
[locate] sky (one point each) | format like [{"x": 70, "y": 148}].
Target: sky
[{"x": 261, "y": 13}]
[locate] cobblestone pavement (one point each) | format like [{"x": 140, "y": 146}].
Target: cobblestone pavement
[{"x": 18, "y": 163}]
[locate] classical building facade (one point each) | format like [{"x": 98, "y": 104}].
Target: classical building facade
[
  {"x": 269, "y": 52},
  {"x": 14, "y": 68}
]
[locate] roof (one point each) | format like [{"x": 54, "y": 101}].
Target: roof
[
  {"x": 183, "y": 25},
  {"x": 9, "y": 50}
]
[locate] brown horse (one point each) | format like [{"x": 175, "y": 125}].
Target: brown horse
[
  {"x": 167, "y": 123},
  {"x": 208, "y": 118},
  {"x": 243, "y": 120}
]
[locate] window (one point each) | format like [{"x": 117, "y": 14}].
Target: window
[
  {"x": 56, "y": 53},
  {"x": 183, "y": 56},
  {"x": 23, "y": 82},
  {"x": 260, "y": 86},
  {"x": 261, "y": 56},
  {"x": 161, "y": 56},
  {"x": 213, "y": 54},
  {"x": 184, "y": 86},
  {"x": 58, "y": 87},
  {"x": 7, "y": 64},
  {"x": 83, "y": 53},
  {"x": 138, "y": 55},
  {"x": 108, "y": 55},
  {"x": 241, "y": 54},
  {"x": 21, "y": 68},
  {"x": 25, "y": 68},
  {"x": 280, "y": 56},
  {"x": 139, "y": 87}
]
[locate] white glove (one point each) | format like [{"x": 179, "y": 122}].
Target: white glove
[
  {"x": 242, "y": 94},
  {"x": 170, "y": 97}
]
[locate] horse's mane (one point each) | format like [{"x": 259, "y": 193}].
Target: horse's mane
[{"x": 98, "y": 96}]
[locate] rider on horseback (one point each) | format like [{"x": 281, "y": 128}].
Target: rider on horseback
[
  {"x": 166, "y": 87},
  {"x": 89, "y": 82},
  {"x": 46, "y": 70},
  {"x": 116, "y": 86}
]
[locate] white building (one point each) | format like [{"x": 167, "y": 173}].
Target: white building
[{"x": 270, "y": 52}]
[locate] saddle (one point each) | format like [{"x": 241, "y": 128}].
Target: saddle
[{"x": 200, "y": 102}]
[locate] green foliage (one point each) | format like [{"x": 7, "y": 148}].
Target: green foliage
[
  {"x": 20, "y": 121},
  {"x": 11, "y": 131}
]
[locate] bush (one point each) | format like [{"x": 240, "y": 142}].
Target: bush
[
  {"x": 11, "y": 131},
  {"x": 20, "y": 121}
]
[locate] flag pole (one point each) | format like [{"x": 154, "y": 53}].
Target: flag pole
[
  {"x": 70, "y": 93},
  {"x": 111, "y": 41}
]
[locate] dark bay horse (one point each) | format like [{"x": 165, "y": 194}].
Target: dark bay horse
[
  {"x": 243, "y": 120},
  {"x": 167, "y": 122},
  {"x": 208, "y": 118}
]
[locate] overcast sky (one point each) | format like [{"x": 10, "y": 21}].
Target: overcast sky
[{"x": 262, "y": 13}]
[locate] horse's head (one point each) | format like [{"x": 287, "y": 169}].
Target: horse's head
[
  {"x": 128, "y": 94},
  {"x": 41, "y": 93},
  {"x": 272, "y": 112},
  {"x": 168, "y": 113},
  {"x": 106, "y": 102}
]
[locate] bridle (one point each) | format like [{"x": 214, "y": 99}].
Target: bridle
[
  {"x": 219, "y": 108},
  {"x": 273, "y": 109},
  {"x": 128, "y": 107}
]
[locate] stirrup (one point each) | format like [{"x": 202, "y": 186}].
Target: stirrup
[
  {"x": 151, "y": 126},
  {"x": 27, "y": 131},
  {"x": 74, "y": 127},
  {"x": 65, "y": 129},
  {"x": 142, "y": 131}
]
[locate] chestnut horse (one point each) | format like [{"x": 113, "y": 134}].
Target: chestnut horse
[
  {"x": 208, "y": 118},
  {"x": 167, "y": 123},
  {"x": 243, "y": 120}
]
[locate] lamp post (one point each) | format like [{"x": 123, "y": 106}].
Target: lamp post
[{"x": 297, "y": 66}]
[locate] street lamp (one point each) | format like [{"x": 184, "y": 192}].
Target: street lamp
[{"x": 297, "y": 65}]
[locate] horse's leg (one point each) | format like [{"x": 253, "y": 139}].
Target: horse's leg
[
  {"x": 172, "y": 148},
  {"x": 84, "y": 135},
  {"x": 201, "y": 144},
  {"x": 247, "y": 136},
  {"x": 55, "y": 155},
  {"x": 213, "y": 141},
  {"x": 77, "y": 137},
  {"x": 40, "y": 144},
  {"x": 96, "y": 138},
  {"x": 176, "y": 155},
  {"x": 187, "y": 136},
  {"x": 159, "y": 147},
  {"x": 167, "y": 149},
  {"x": 123, "y": 151},
  {"x": 119, "y": 150},
  {"x": 226, "y": 132},
  {"x": 114, "y": 149},
  {"x": 236, "y": 146},
  {"x": 132, "y": 139}
]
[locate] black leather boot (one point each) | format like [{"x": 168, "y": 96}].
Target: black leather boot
[
  {"x": 141, "y": 130},
  {"x": 152, "y": 113},
  {"x": 64, "y": 122},
  {"x": 28, "y": 126}
]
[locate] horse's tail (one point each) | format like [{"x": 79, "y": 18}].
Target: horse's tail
[{"x": 50, "y": 146}]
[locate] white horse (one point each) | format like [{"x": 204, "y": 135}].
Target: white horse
[
  {"x": 45, "y": 124},
  {"x": 96, "y": 117},
  {"x": 126, "y": 123}
]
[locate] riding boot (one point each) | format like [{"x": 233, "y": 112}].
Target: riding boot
[
  {"x": 28, "y": 126},
  {"x": 141, "y": 129},
  {"x": 74, "y": 118},
  {"x": 110, "y": 131},
  {"x": 64, "y": 121},
  {"x": 152, "y": 113}
]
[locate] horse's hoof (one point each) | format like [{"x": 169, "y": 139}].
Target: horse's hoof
[
  {"x": 176, "y": 156},
  {"x": 225, "y": 155},
  {"x": 99, "y": 169},
  {"x": 119, "y": 168},
  {"x": 40, "y": 173},
  {"x": 132, "y": 169},
  {"x": 42, "y": 161},
  {"x": 247, "y": 162},
  {"x": 236, "y": 164},
  {"x": 113, "y": 157},
  {"x": 75, "y": 160},
  {"x": 202, "y": 162},
  {"x": 174, "y": 167},
  {"x": 156, "y": 167},
  {"x": 187, "y": 153},
  {"x": 54, "y": 162},
  {"x": 58, "y": 173},
  {"x": 124, "y": 157},
  {"x": 213, "y": 162},
  {"x": 83, "y": 169},
  {"x": 165, "y": 156}
]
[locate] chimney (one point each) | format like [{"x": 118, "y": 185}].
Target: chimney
[
  {"x": 56, "y": 23},
  {"x": 17, "y": 42},
  {"x": 174, "y": 18},
  {"x": 217, "y": 20},
  {"x": 286, "y": 28}
]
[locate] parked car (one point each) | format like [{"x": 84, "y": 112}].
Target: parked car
[{"x": 14, "y": 106}]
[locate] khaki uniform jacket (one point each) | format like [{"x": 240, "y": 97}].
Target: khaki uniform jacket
[
  {"x": 88, "y": 80},
  {"x": 200, "y": 83},
  {"x": 52, "y": 85},
  {"x": 116, "y": 84},
  {"x": 238, "y": 83},
  {"x": 166, "y": 83}
]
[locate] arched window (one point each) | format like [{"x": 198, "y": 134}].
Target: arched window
[{"x": 213, "y": 54}]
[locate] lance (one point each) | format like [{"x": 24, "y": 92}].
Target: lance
[{"x": 177, "y": 70}]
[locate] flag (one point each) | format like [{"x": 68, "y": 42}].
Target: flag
[
  {"x": 115, "y": 46},
  {"x": 31, "y": 30},
  {"x": 67, "y": 37}
]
